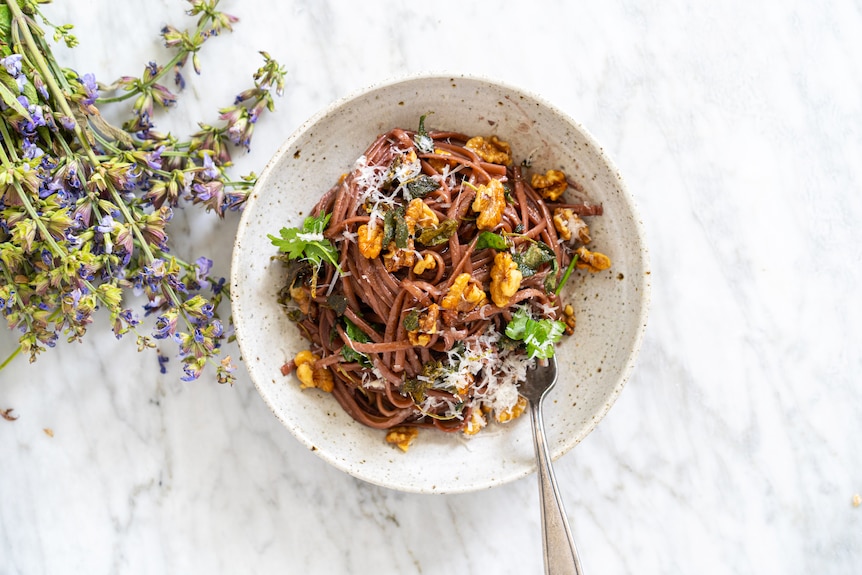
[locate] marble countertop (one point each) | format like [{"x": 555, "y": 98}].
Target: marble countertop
[{"x": 734, "y": 448}]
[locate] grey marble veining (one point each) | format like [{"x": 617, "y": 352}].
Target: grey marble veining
[{"x": 733, "y": 449}]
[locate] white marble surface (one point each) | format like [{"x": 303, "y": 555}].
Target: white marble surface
[{"x": 735, "y": 446}]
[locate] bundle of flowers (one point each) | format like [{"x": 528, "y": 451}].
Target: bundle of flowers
[{"x": 85, "y": 205}]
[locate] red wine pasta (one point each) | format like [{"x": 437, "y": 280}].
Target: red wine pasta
[{"x": 428, "y": 278}]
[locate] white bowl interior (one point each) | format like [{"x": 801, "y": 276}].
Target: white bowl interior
[{"x": 611, "y": 306}]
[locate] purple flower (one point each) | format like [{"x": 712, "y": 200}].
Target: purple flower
[
  {"x": 210, "y": 171},
  {"x": 106, "y": 224},
  {"x": 92, "y": 90},
  {"x": 68, "y": 123},
  {"x": 202, "y": 269},
  {"x": 12, "y": 63},
  {"x": 31, "y": 150},
  {"x": 154, "y": 158}
]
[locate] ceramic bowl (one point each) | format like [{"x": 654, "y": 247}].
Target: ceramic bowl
[{"x": 611, "y": 306}]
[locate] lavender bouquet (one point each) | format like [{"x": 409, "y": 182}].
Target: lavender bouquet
[{"x": 85, "y": 205}]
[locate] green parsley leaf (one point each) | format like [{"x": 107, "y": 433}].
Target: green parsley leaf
[
  {"x": 307, "y": 243},
  {"x": 491, "y": 240},
  {"x": 355, "y": 334},
  {"x": 538, "y": 335}
]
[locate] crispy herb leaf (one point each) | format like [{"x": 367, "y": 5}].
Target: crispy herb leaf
[
  {"x": 388, "y": 227},
  {"x": 337, "y": 302},
  {"x": 402, "y": 232},
  {"x": 411, "y": 321},
  {"x": 439, "y": 234},
  {"x": 423, "y": 141},
  {"x": 529, "y": 260},
  {"x": 421, "y": 186},
  {"x": 416, "y": 388},
  {"x": 491, "y": 240}
]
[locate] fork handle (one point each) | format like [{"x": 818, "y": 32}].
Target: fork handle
[{"x": 558, "y": 545}]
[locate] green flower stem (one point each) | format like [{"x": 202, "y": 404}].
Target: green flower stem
[
  {"x": 79, "y": 133},
  {"x": 25, "y": 201},
  {"x": 9, "y": 359},
  {"x": 182, "y": 53}
]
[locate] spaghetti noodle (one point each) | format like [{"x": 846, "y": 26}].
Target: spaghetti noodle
[{"x": 449, "y": 264}]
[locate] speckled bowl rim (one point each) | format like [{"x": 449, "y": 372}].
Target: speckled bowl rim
[{"x": 643, "y": 303}]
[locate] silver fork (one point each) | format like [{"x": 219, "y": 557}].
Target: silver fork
[{"x": 558, "y": 545}]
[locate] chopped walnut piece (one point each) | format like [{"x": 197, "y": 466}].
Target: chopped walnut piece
[
  {"x": 492, "y": 150},
  {"x": 464, "y": 295},
  {"x": 308, "y": 375},
  {"x": 490, "y": 201},
  {"x": 396, "y": 258},
  {"x": 515, "y": 411},
  {"x": 505, "y": 279},
  {"x": 569, "y": 319},
  {"x": 426, "y": 263},
  {"x": 570, "y": 226},
  {"x": 419, "y": 214},
  {"x": 440, "y": 164},
  {"x": 402, "y": 436},
  {"x": 301, "y": 295},
  {"x": 370, "y": 240},
  {"x": 551, "y": 185},
  {"x": 427, "y": 326},
  {"x": 476, "y": 422},
  {"x": 592, "y": 261}
]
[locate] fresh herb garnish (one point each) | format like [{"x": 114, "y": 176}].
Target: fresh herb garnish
[
  {"x": 491, "y": 240},
  {"x": 308, "y": 243},
  {"x": 424, "y": 142},
  {"x": 538, "y": 335},
  {"x": 354, "y": 334}
]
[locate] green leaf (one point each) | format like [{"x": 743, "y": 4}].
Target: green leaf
[
  {"x": 355, "y": 334},
  {"x": 491, "y": 240},
  {"x": 530, "y": 260},
  {"x": 307, "y": 242},
  {"x": 423, "y": 141},
  {"x": 416, "y": 388},
  {"x": 439, "y": 234},
  {"x": 411, "y": 321},
  {"x": 11, "y": 100},
  {"x": 421, "y": 186},
  {"x": 539, "y": 336},
  {"x": 402, "y": 232},
  {"x": 5, "y": 22},
  {"x": 337, "y": 302}
]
